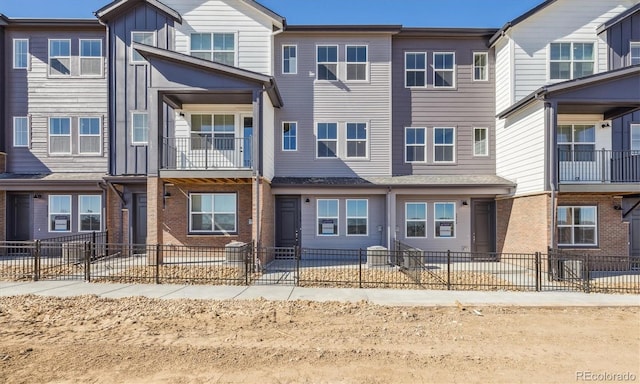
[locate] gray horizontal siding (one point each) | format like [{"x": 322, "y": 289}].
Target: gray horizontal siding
[
  {"x": 41, "y": 215},
  {"x": 618, "y": 38}
]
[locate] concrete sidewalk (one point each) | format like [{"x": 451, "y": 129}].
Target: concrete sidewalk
[{"x": 390, "y": 297}]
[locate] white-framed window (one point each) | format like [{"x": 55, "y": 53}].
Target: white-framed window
[
  {"x": 415, "y": 219},
  {"x": 89, "y": 136},
  {"x": 218, "y": 46},
  {"x": 59, "y": 213},
  {"x": 91, "y": 57},
  {"x": 327, "y": 216},
  {"x": 576, "y": 142},
  {"x": 415, "y": 145},
  {"x": 357, "y": 217},
  {"x": 357, "y": 143},
  {"x": 290, "y": 59},
  {"x": 444, "y": 215},
  {"x": 480, "y": 66},
  {"x": 444, "y": 64},
  {"x": 577, "y": 225},
  {"x": 480, "y": 142},
  {"x": 60, "y": 135},
  {"x": 213, "y": 212},
  {"x": 327, "y": 62},
  {"x": 415, "y": 69},
  {"x": 571, "y": 60},
  {"x": 327, "y": 140},
  {"x": 20, "y": 53},
  {"x": 142, "y": 37},
  {"x": 634, "y": 53},
  {"x": 289, "y": 136},
  {"x": 59, "y": 57},
  {"x": 635, "y": 137},
  {"x": 20, "y": 131},
  {"x": 444, "y": 145},
  {"x": 357, "y": 62},
  {"x": 139, "y": 128},
  {"x": 89, "y": 213},
  {"x": 213, "y": 132}
]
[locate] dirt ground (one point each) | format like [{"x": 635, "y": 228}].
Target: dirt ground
[{"x": 138, "y": 340}]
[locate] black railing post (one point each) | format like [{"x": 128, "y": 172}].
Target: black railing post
[
  {"x": 448, "y": 270},
  {"x": 585, "y": 274},
  {"x": 36, "y": 260},
  {"x": 296, "y": 254},
  {"x": 87, "y": 260},
  {"x": 157, "y": 271},
  {"x": 360, "y": 267},
  {"x": 538, "y": 262},
  {"x": 93, "y": 245},
  {"x": 603, "y": 168}
]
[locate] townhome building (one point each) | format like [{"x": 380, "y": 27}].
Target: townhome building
[
  {"x": 54, "y": 142},
  {"x": 567, "y": 101}
]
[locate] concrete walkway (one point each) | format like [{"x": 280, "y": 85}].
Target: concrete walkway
[{"x": 272, "y": 292}]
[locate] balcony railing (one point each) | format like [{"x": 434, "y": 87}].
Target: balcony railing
[
  {"x": 206, "y": 152},
  {"x": 598, "y": 166}
]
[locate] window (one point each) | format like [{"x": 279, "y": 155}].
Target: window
[
  {"x": 219, "y": 136},
  {"x": 290, "y": 59},
  {"x": 60, "y": 135},
  {"x": 415, "y": 69},
  {"x": 416, "y": 219},
  {"x": 140, "y": 128},
  {"x": 289, "y": 136},
  {"x": 327, "y": 138},
  {"x": 415, "y": 145},
  {"x": 327, "y": 62},
  {"x": 480, "y": 66},
  {"x": 444, "y": 70},
  {"x": 218, "y": 47},
  {"x": 327, "y": 215},
  {"x": 577, "y": 225},
  {"x": 147, "y": 38},
  {"x": 576, "y": 142},
  {"x": 357, "y": 140},
  {"x": 570, "y": 60},
  {"x": 90, "y": 57},
  {"x": 357, "y": 217},
  {"x": 20, "y": 132},
  {"x": 443, "y": 145},
  {"x": 20, "y": 53},
  {"x": 357, "y": 62},
  {"x": 480, "y": 142},
  {"x": 59, "y": 213},
  {"x": 444, "y": 218},
  {"x": 90, "y": 216},
  {"x": 60, "y": 57},
  {"x": 212, "y": 212},
  {"x": 634, "y": 52},
  {"x": 635, "y": 137},
  {"x": 89, "y": 135}
]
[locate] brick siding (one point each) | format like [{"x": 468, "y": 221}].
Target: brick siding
[{"x": 523, "y": 224}]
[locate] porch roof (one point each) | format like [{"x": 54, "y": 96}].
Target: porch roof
[
  {"x": 420, "y": 181},
  {"x": 50, "y": 181}
]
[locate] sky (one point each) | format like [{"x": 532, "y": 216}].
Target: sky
[{"x": 409, "y": 13}]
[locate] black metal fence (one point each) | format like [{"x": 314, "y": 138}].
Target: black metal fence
[{"x": 376, "y": 267}]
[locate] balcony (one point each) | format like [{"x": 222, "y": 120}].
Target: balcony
[{"x": 579, "y": 167}]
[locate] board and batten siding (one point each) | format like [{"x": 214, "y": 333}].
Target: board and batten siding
[
  {"x": 308, "y": 101},
  {"x": 252, "y": 28},
  {"x": 129, "y": 84},
  {"x": 467, "y": 106},
  {"x": 618, "y": 37},
  {"x": 521, "y": 138},
  {"x": 39, "y": 96}
]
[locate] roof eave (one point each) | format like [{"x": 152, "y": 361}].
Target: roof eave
[
  {"x": 113, "y": 8},
  {"x": 280, "y": 21},
  {"x": 615, "y": 20}
]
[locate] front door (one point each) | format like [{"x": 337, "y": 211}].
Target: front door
[
  {"x": 18, "y": 212},
  {"x": 287, "y": 221},
  {"x": 140, "y": 218},
  {"x": 483, "y": 228},
  {"x": 247, "y": 147},
  {"x": 635, "y": 238}
]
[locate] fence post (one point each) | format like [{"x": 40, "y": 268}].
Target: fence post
[
  {"x": 448, "y": 270},
  {"x": 87, "y": 260},
  {"x": 538, "y": 272},
  {"x": 36, "y": 261},
  {"x": 93, "y": 245},
  {"x": 585, "y": 274},
  {"x": 296, "y": 251},
  {"x": 360, "y": 267},
  {"x": 157, "y": 272}
]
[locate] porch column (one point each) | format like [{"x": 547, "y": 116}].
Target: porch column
[{"x": 391, "y": 218}]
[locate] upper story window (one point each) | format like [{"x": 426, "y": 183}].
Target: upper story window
[
  {"x": 415, "y": 69},
  {"x": 60, "y": 57},
  {"x": 357, "y": 62},
  {"x": 289, "y": 136},
  {"x": 20, "y": 53},
  {"x": 90, "y": 213},
  {"x": 634, "y": 52},
  {"x": 577, "y": 225},
  {"x": 60, "y": 135},
  {"x": 213, "y": 132},
  {"x": 89, "y": 135},
  {"x": 480, "y": 142},
  {"x": 571, "y": 60},
  {"x": 139, "y": 128},
  {"x": 327, "y": 62},
  {"x": 91, "y": 57},
  {"x": 218, "y": 47},
  {"x": 576, "y": 142},
  {"x": 480, "y": 66},
  {"x": 20, "y": 131},
  {"x": 635, "y": 137},
  {"x": 327, "y": 140},
  {"x": 415, "y": 148},
  {"x": 290, "y": 59},
  {"x": 444, "y": 145},
  {"x": 356, "y": 140},
  {"x": 444, "y": 70},
  {"x": 142, "y": 37}
]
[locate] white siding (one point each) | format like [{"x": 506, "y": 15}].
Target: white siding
[
  {"x": 503, "y": 75},
  {"x": 521, "y": 142},
  {"x": 253, "y": 29}
]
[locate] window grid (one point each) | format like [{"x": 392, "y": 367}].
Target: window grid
[
  {"x": 444, "y": 69},
  {"x": 444, "y": 215},
  {"x": 290, "y": 59},
  {"x": 415, "y": 145},
  {"x": 143, "y": 37},
  {"x": 577, "y": 226},
  {"x": 327, "y": 140},
  {"x": 480, "y": 66},
  {"x": 89, "y": 213},
  {"x": 60, "y": 57},
  {"x": 213, "y": 212},
  {"x": 571, "y": 60},
  {"x": 634, "y": 52},
  {"x": 444, "y": 145},
  {"x": 327, "y": 216},
  {"x": 20, "y": 131},
  {"x": 89, "y": 135},
  {"x": 357, "y": 217},
  {"x": 60, "y": 135},
  {"x": 327, "y": 62},
  {"x": 635, "y": 137},
  {"x": 576, "y": 142},
  {"x": 357, "y": 62},
  {"x": 20, "y": 53},
  {"x": 480, "y": 142},
  {"x": 415, "y": 66},
  {"x": 415, "y": 220},
  {"x": 90, "y": 57},
  {"x": 219, "y": 47},
  {"x": 59, "y": 213},
  {"x": 289, "y": 136},
  {"x": 357, "y": 140},
  {"x": 139, "y": 128}
]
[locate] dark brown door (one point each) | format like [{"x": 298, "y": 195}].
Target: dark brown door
[
  {"x": 287, "y": 220},
  {"x": 18, "y": 212},
  {"x": 140, "y": 218},
  {"x": 483, "y": 228},
  {"x": 635, "y": 238}
]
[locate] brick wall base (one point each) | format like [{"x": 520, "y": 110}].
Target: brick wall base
[
  {"x": 523, "y": 224},
  {"x": 3, "y": 162},
  {"x": 267, "y": 234}
]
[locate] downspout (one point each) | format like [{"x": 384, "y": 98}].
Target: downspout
[{"x": 550, "y": 129}]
